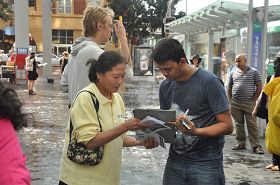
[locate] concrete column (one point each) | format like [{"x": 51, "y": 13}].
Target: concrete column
[
  {"x": 21, "y": 37},
  {"x": 47, "y": 39},
  {"x": 210, "y": 50},
  {"x": 250, "y": 32},
  {"x": 21, "y": 24}
]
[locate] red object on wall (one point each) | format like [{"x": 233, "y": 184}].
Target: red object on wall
[
  {"x": 21, "y": 54},
  {"x": 79, "y": 6}
]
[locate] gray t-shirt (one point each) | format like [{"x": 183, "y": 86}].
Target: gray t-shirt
[
  {"x": 204, "y": 95},
  {"x": 243, "y": 83}
]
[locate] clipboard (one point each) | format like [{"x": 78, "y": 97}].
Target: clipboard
[{"x": 163, "y": 115}]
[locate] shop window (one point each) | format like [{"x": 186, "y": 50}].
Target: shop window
[
  {"x": 62, "y": 36},
  {"x": 32, "y": 3}
]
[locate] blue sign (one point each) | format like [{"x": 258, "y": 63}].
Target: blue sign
[
  {"x": 22, "y": 51},
  {"x": 257, "y": 46}
]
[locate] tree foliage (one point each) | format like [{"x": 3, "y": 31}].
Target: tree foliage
[
  {"x": 141, "y": 17},
  {"x": 6, "y": 9}
]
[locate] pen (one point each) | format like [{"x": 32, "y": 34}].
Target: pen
[
  {"x": 186, "y": 113},
  {"x": 184, "y": 123}
]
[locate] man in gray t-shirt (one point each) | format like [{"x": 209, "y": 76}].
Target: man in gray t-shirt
[
  {"x": 244, "y": 88},
  {"x": 196, "y": 156}
]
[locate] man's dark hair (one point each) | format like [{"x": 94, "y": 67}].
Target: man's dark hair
[
  {"x": 105, "y": 63},
  {"x": 168, "y": 49}
]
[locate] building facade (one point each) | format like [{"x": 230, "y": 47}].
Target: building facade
[{"x": 66, "y": 25}]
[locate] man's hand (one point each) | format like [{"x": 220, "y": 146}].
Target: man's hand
[{"x": 149, "y": 142}]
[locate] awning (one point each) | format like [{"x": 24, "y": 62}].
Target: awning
[
  {"x": 9, "y": 30},
  {"x": 217, "y": 16}
]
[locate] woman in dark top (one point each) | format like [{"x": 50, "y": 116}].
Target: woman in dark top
[
  {"x": 64, "y": 60},
  {"x": 31, "y": 67}
]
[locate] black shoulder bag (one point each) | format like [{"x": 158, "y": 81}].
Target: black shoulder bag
[
  {"x": 78, "y": 152},
  {"x": 262, "y": 111}
]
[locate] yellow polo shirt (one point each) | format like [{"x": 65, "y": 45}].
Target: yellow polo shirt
[{"x": 85, "y": 127}]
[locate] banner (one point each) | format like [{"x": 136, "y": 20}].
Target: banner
[{"x": 257, "y": 40}]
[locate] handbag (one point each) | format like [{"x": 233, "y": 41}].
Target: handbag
[
  {"x": 77, "y": 151},
  {"x": 262, "y": 111}
]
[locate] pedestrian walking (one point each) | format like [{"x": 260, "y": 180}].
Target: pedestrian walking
[
  {"x": 272, "y": 139},
  {"x": 102, "y": 125},
  {"x": 244, "y": 89},
  {"x": 63, "y": 61},
  {"x": 97, "y": 29},
  {"x": 196, "y": 156},
  {"x": 12, "y": 160},
  {"x": 31, "y": 67}
]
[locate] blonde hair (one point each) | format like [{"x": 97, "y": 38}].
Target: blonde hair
[{"x": 92, "y": 16}]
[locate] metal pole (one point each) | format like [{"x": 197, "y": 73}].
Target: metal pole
[
  {"x": 210, "y": 50},
  {"x": 261, "y": 123},
  {"x": 264, "y": 37},
  {"x": 237, "y": 40},
  {"x": 186, "y": 7},
  {"x": 250, "y": 32}
]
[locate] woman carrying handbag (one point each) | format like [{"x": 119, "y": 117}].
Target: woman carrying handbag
[{"x": 97, "y": 124}]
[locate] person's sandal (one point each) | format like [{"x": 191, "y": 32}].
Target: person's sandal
[
  {"x": 239, "y": 147},
  {"x": 270, "y": 166},
  {"x": 258, "y": 150},
  {"x": 275, "y": 168}
]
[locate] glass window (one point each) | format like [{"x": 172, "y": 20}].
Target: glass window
[
  {"x": 65, "y": 6},
  {"x": 32, "y": 3},
  {"x": 54, "y": 32},
  {"x": 62, "y": 36}
]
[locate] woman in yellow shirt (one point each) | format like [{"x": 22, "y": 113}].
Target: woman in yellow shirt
[
  {"x": 272, "y": 90},
  {"x": 107, "y": 74}
]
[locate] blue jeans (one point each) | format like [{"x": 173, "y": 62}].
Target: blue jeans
[{"x": 182, "y": 172}]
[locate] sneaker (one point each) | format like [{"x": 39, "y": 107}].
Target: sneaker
[
  {"x": 258, "y": 150},
  {"x": 239, "y": 147}
]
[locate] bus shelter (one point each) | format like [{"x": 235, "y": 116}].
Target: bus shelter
[{"x": 225, "y": 27}]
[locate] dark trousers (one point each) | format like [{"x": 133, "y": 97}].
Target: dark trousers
[{"x": 277, "y": 159}]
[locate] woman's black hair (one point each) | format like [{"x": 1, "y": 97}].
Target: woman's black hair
[
  {"x": 10, "y": 107},
  {"x": 277, "y": 67},
  {"x": 105, "y": 63}
]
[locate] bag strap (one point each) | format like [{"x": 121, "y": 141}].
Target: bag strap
[{"x": 96, "y": 106}]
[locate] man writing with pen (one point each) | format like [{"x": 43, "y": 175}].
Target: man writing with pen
[{"x": 196, "y": 156}]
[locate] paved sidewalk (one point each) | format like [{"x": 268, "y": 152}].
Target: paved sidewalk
[{"x": 43, "y": 140}]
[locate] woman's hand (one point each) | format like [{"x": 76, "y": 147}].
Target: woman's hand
[{"x": 134, "y": 124}]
